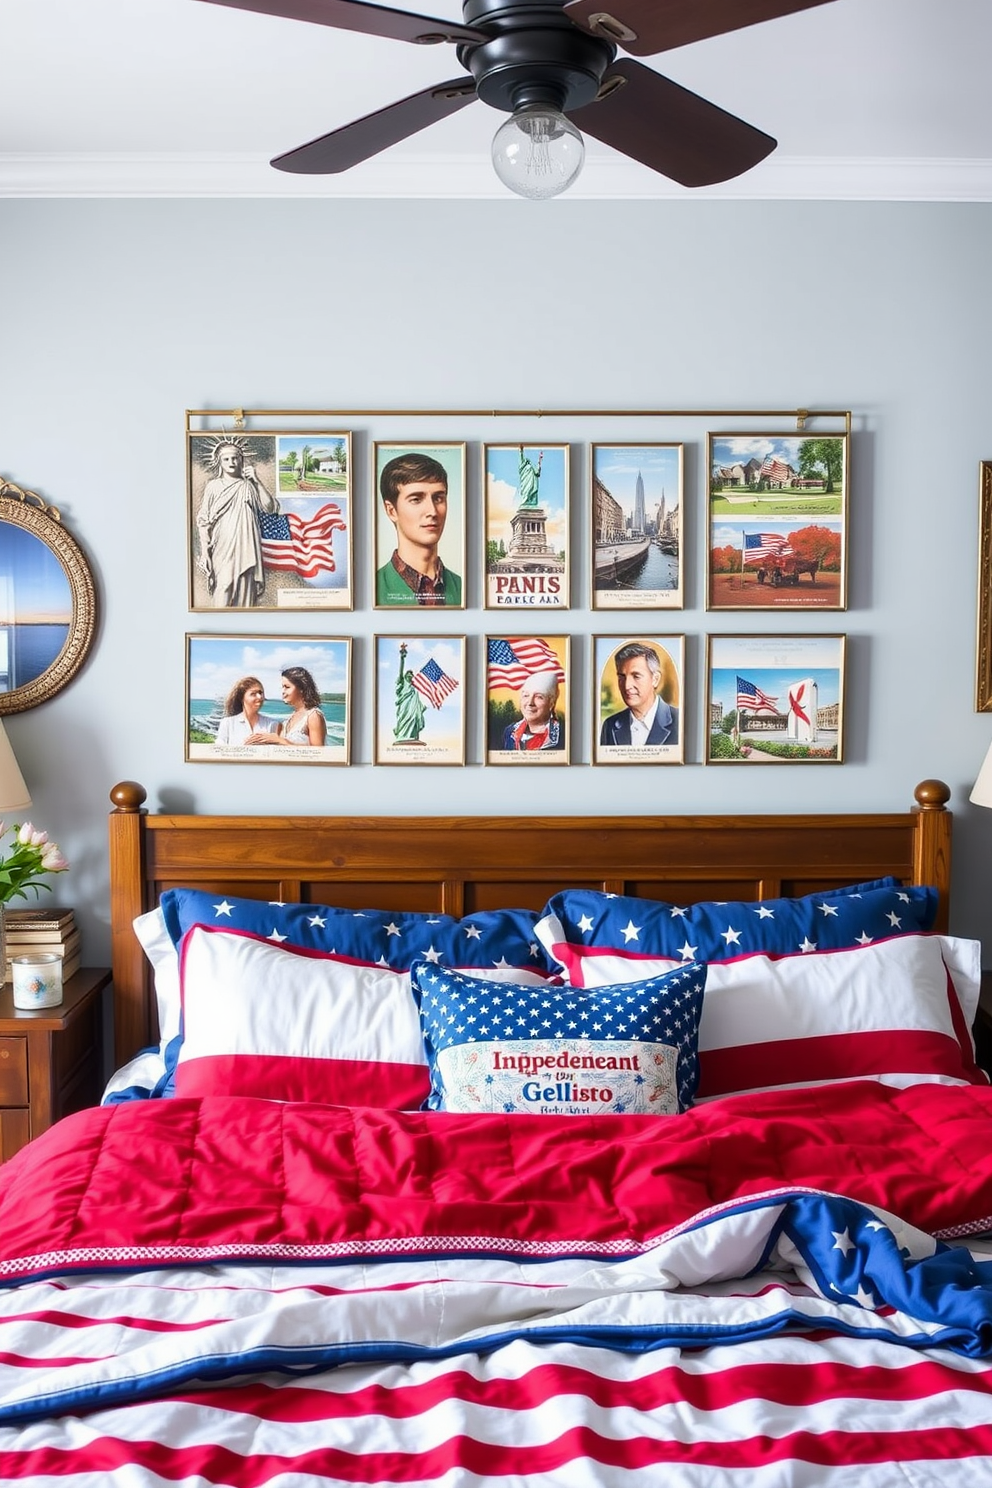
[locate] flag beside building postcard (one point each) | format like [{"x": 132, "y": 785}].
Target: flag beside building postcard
[{"x": 775, "y": 699}]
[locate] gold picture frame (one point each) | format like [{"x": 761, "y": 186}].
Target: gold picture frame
[
  {"x": 777, "y": 521},
  {"x": 775, "y": 699},
  {"x": 268, "y": 699},
  {"x": 983, "y": 649},
  {"x": 419, "y": 700},
  {"x": 419, "y": 498},
  {"x": 527, "y": 719},
  {"x": 638, "y": 676},
  {"x": 47, "y": 601},
  {"x": 270, "y": 519}
]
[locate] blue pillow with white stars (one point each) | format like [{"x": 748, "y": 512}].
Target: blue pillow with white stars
[
  {"x": 497, "y": 938},
  {"x": 550, "y": 1050},
  {"x": 597, "y": 938}
]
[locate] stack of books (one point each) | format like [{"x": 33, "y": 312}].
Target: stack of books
[{"x": 44, "y": 929}]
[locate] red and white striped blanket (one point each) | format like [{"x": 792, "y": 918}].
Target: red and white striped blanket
[{"x": 229, "y": 1291}]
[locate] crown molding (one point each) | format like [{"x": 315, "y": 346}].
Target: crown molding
[{"x": 401, "y": 175}]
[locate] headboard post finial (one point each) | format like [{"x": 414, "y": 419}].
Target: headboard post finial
[
  {"x": 932, "y": 848},
  {"x": 132, "y": 994},
  {"x": 128, "y": 795},
  {"x": 932, "y": 795}
]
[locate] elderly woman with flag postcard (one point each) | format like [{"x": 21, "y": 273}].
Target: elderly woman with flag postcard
[{"x": 526, "y": 707}]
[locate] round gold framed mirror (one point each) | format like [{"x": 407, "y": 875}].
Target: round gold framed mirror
[{"x": 47, "y": 601}]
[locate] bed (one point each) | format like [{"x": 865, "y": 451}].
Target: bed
[{"x": 515, "y": 1151}]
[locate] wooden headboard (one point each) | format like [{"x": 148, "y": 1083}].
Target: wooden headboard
[{"x": 457, "y": 865}]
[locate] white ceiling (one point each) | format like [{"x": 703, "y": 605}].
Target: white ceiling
[{"x": 869, "y": 99}]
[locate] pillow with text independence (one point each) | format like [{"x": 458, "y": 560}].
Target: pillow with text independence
[{"x": 560, "y": 1050}]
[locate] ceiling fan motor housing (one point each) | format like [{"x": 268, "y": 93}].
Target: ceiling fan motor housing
[{"x": 535, "y": 55}]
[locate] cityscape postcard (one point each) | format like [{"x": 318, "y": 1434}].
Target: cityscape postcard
[{"x": 637, "y": 526}]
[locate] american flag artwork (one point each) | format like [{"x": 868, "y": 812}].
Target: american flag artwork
[
  {"x": 751, "y": 699},
  {"x": 512, "y": 661},
  {"x": 301, "y": 545},
  {"x": 773, "y": 468},
  {"x": 433, "y": 683},
  {"x": 759, "y": 545}
]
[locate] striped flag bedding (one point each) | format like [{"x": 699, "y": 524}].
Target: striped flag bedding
[
  {"x": 785, "y": 1413},
  {"x": 346, "y": 1332}
]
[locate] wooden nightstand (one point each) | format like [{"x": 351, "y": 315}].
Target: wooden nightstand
[{"x": 51, "y": 1062}]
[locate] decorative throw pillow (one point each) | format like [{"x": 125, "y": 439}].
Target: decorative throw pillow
[{"x": 562, "y": 1050}]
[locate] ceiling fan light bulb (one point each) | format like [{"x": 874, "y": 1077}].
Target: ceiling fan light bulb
[{"x": 538, "y": 152}]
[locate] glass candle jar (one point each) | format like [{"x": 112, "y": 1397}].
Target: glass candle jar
[{"x": 37, "y": 978}]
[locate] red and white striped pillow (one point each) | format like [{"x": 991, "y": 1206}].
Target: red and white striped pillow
[
  {"x": 898, "y": 1011},
  {"x": 290, "y": 1023}
]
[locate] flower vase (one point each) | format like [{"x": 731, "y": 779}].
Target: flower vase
[{"x": 3, "y": 947}]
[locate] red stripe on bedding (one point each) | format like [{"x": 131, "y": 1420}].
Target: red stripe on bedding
[
  {"x": 572, "y": 956},
  {"x": 962, "y": 1033},
  {"x": 112, "y": 1320},
  {"x": 841, "y": 1056},
  {"x": 488, "y": 1460},
  {"x": 792, "y": 1385},
  {"x": 339, "y": 1082}
]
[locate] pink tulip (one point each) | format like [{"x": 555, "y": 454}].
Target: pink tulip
[
  {"x": 52, "y": 859},
  {"x": 31, "y": 838}
]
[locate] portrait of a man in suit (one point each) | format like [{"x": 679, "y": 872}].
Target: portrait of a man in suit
[{"x": 647, "y": 719}]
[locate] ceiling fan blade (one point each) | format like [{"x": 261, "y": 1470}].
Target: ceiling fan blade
[
  {"x": 352, "y": 143},
  {"x": 645, "y": 27},
  {"x": 348, "y": 15},
  {"x": 666, "y": 127}
]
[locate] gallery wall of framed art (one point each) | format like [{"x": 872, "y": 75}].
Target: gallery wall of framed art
[{"x": 369, "y": 532}]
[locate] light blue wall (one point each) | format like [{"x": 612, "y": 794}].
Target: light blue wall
[{"x": 116, "y": 316}]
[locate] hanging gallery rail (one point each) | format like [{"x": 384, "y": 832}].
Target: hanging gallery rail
[{"x": 802, "y": 416}]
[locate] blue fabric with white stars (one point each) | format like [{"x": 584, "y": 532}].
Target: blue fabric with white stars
[
  {"x": 493, "y": 938},
  {"x": 459, "y": 1010},
  {"x": 710, "y": 931},
  {"x": 853, "y": 1255}
]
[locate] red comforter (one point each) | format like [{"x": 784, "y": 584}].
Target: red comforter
[
  {"x": 488, "y": 1301},
  {"x": 262, "y": 1178}
]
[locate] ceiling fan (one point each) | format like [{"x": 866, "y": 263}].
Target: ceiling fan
[{"x": 552, "y": 66}]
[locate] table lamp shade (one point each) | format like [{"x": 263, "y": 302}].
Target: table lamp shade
[
  {"x": 13, "y": 792},
  {"x": 981, "y": 792}
]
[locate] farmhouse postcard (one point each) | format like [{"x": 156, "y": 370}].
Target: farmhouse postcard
[{"x": 777, "y": 522}]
